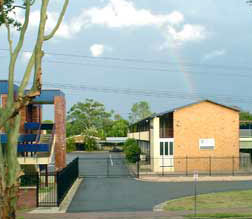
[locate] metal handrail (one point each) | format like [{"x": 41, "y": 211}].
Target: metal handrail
[{"x": 52, "y": 137}]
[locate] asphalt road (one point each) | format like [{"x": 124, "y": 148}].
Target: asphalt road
[{"x": 127, "y": 194}]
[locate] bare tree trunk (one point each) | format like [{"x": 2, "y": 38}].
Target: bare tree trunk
[
  {"x": 11, "y": 169},
  {"x": 9, "y": 117}
]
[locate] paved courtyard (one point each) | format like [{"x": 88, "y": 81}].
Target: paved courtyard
[{"x": 124, "y": 194}]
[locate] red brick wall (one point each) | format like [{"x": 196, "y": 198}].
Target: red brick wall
[
  {"x": 60, "y": 132},
  {"x": 4, "y": 99},
  {"x": 36, "y": 113},
  {"x": 26, "y": 198},
  {"x": 206, "y": 120}
]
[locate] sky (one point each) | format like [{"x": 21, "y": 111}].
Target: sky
[{"x": 188, "y": 49}]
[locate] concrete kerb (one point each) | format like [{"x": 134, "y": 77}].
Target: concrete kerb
[
  {"x": 64, "y": 204},
  {"x": 191, "y": 179}
]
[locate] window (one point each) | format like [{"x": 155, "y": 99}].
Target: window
[
  {"x": 166, "y": 148},
  {"x": 207, "y": 144},
  {"x": 161, "y": 148},
  {"x": 171, "y": 148}
]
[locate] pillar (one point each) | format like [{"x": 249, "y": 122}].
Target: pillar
[{"x": 60, "y": 131}]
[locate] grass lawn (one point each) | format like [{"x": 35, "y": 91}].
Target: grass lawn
[
  {"x": 217, "y": 216},
  {"x": 234, "y": 199}
]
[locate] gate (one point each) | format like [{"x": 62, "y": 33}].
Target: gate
[
  {"x": 52, "y": 187},
  {"x": 106, "y": 167}
]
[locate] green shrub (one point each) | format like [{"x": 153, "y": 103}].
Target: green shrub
[
  {"x": 131, "y": 150},
  {"x": 70, "y": 143},
  {"x": 90, "y": 143},
  {"x": 129, "y": 142}
]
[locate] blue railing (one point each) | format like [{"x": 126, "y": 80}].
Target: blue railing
[
  {"x": 32, "y": 126},
  {"x": 30, "y": 142}
]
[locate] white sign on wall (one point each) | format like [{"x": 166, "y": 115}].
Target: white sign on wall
[{"x": 207, "y": 143}]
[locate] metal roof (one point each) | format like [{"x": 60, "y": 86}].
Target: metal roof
[
  {"x": 47, "y": 96},
  {"x": 181, "y": 107},
  {"x": 4, "y": 87}
]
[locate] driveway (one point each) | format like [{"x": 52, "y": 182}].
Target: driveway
[{"x": 128, "y": 194}]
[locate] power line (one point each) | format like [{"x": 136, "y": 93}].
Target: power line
[
  {"x": 167, "y": 94},
  {"x": 233, "y": 67},
  {"x": 148, "y": 69}
]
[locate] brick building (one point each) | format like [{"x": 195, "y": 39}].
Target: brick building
[
  {"x": 40, "y": 144},
  {"x": 205, "y": 130}
]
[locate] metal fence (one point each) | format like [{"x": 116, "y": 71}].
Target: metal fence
[
  {"x": 106, "y": 167},
  {"x": 65, "y": 179},
  {"x": 52, "y": 187},
  {"x": 186, "y": 166},
  {"x": 47, "y": 190}
]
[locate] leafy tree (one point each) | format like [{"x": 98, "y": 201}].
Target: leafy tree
[
  {"x": 89, "y": 139},
  {"x": 70, "y": 145},
  {"x": 8, "y": 7},
  {"x": 245, "y": 116},
  {"x": 10, "y": 115},
  {"x": 87, "y": 115},
  {"x": 131, "y": 150},
  {"x": 139, "y": 111},
  {"x": 119, "y": 128}
]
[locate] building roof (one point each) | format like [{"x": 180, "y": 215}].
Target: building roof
[
  {"x": 4, "y": 87},
  {"x": 46, "y": 96},
  {"x": 184, "y": 106},
  {"x": 190, "y": 104}
]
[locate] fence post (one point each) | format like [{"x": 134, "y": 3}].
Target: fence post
[
  {"x": 210, "y": 166},
  {"x": 58, "y": 188},
  {"x": 233, "y": 166},
  {"x": 162, "y": 165},
  {"x": 186, "y": 165},
  {"x": 46, "y": 175},
  {"x": 138, "y": 169},
  {"x": 78, "y": 171},
  {"x": 37, "y": 190}
]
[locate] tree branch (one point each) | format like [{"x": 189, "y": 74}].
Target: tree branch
[
  {"x": 7, "y": 27},
  {"x": 27, "y": 75},
  {"x": 15, "y": 55},
  {"x": 36, "y": 87},
  {"x": 63, "y": 11}
]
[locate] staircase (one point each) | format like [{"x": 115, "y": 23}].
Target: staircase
[{"x": 44, "y": 139}]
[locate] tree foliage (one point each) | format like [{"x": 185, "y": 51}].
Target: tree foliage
[
  {"x": 245, "y": 116},
  {"x": 87, "y": 115},
  {"x": 131, "y": 150},
  {"x": 139, "y": 111},
  {"x": 8, "y": 9},
  {"x": 92, "y": 115},
  {"x": 119, "y": 128},
  {"x": 70, "y": 144}
]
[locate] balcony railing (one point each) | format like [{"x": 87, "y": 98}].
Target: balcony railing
[{"x": 30, "y": 144}]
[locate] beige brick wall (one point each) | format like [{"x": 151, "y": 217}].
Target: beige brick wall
[{"x": 206, "y": 120}]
